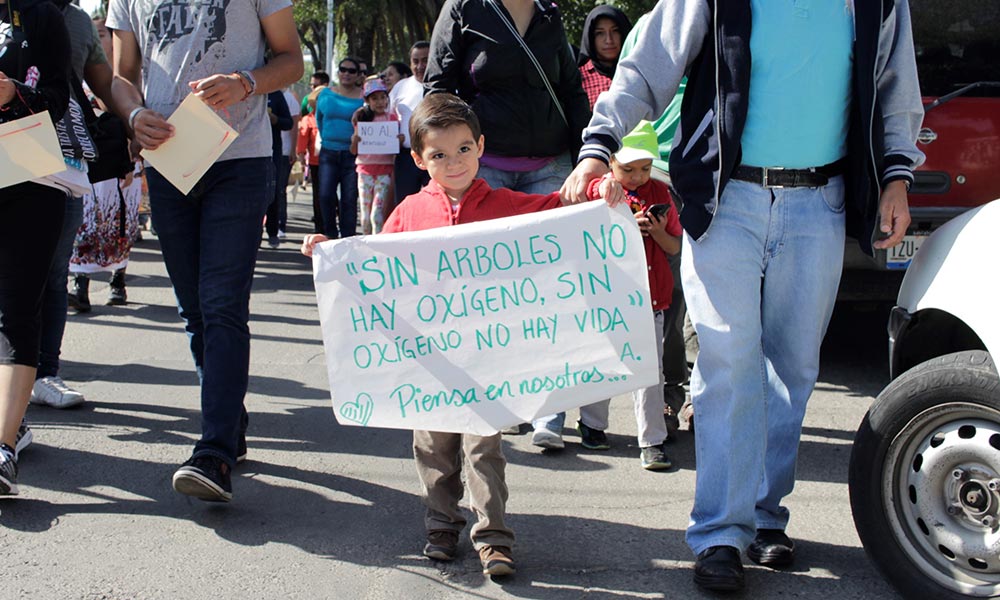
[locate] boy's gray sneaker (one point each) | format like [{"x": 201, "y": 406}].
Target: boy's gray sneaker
[
  {"x": 548, "y": 439},
  {"x": 653, "y": 458}
]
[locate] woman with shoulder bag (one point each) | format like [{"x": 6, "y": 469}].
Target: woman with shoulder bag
[
  {"x": 510, "y": 60},
  {"x": 34, "y": 77}
]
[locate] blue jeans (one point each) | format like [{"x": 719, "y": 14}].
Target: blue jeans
[
  {"x": 337, "y": 168},
  {"x": 546, "y": 180},
  {"x": 277, "y": 210},
  {"x": 760, "y": 289},
  {"x": 54, "y": 299},
  {"x": 209, "y": 242}
]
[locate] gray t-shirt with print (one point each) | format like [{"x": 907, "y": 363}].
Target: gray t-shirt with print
[
  {"x": 186, "y": 40},
  {"x": 84, "y": 41}
]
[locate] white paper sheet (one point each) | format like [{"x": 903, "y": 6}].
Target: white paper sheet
[
  {"x": 476, "y": 327},
  {"x": 378, "y": 137},
  {"x": 200, "y": 138},
  {"x": 29, "y": 149}
]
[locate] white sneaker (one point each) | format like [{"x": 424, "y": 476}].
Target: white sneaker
[
  {"x": 53, "y": 392},
  {"x": 547, "y": 439},
  {"x": 281, "y": 234}
]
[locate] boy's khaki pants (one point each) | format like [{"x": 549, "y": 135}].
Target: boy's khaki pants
[{"x": 439, "y": 457}]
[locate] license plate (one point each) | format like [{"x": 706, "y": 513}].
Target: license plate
[{"x": 899, "y": 256}]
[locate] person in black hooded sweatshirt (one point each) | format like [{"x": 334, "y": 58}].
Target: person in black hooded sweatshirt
[
  {"x": 603, "y": 33},
  {"x": 34, "y": 63}
]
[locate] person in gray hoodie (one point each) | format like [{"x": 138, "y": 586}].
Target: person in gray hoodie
[{"x": 798, "y": 124}]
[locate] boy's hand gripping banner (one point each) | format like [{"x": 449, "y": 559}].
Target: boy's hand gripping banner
[{"x": 477, "y": 327}]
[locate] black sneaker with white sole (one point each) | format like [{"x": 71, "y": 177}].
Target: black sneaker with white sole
[
  {"x": 8, "y": 471},
  {"x": 206, "y": 478}
]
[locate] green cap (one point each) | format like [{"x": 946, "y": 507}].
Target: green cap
[{"x": 641, "y": 144}]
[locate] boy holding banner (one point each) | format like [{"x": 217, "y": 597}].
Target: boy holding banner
[{"x": 447, "y": 143}]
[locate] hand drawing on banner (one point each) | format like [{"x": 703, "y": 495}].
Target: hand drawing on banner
[{"x": 476, "y": 327}]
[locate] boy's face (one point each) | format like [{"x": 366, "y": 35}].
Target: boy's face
[
  {"x": 451, "y": 157},
  {"x": 379, "y": 102},
  {"x": 632, "y": 175}
]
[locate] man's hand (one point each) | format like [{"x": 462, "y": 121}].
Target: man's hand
[
  {"x": 574, "y": 190},
  {"x": 894, "y": 215},
  {"x": 151, "y": 129},
  {"x": 612, "y": 191},
  {"x": 219, "y": 91},
  {"x": 6, "y": 89}
]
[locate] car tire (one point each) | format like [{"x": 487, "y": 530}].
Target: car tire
[{"x": 925, "y": 479}]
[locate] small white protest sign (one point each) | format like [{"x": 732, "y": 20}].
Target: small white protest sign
[
  {"x": 378, "y": 137},
  {"x": 476, "y": 327}
]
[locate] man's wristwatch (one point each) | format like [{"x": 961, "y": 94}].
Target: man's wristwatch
[{"x": 249, "y": 83}]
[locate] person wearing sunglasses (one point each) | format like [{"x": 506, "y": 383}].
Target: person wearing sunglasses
[
  {"x": 362, "y": 74},
  {"x": 334, "y": 108}
]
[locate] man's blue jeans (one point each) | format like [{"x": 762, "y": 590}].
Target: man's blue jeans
[
  {"x": 760, "y": 288},
  {"x": 337, "y": 169},
  {"x": 209, "y": 241},
  {"x": 54, "y": 299}
]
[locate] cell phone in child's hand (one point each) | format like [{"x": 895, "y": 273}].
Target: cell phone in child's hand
[{"x": 658, "y": 210}]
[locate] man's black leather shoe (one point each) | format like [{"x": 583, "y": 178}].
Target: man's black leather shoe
[
  {"x": 719, "y": 569},
  {"x": 772, "y": 548}
]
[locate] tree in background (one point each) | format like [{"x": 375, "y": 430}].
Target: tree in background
[{"x": 378, "y": 31}]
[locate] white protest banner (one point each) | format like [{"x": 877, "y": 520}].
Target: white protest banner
[
  {"x": 378, "y": 137},
  {"x": 476, "y": 327}
]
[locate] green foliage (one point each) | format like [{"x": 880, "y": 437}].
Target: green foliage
[
  {"x": 376, "y": 31},
  {"x": 379, "y": 31}
]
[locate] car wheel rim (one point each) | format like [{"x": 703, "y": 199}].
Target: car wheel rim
[{"x": 945, "y": 466}]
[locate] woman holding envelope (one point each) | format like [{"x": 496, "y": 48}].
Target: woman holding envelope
[{"x": 34, "y": 76}]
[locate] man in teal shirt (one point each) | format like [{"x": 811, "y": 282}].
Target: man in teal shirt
[{"x": 798, "y": 126}]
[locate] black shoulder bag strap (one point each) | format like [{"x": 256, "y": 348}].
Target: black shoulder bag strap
[{"x": 531, "y": 57}]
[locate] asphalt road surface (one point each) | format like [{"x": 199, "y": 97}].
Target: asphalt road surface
[{"x": 326, "y": 511}]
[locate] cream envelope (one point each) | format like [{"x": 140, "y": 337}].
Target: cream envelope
[
  {"x": 29, "y": 149},
  {"x": 200, "y": 138}
]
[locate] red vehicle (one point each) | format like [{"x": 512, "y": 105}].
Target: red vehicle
[{"x": 957, "y": 45}]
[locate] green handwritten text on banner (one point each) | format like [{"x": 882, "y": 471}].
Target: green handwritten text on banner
[{"x": 476, "y": 327}]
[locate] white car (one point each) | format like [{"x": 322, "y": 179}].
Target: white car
[{"x": 925, "y": 467}]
